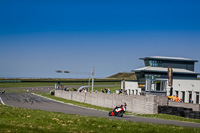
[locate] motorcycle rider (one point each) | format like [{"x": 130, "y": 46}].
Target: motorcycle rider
[
  {"x": 119, "y": 107},
  {"x": 124, "y": 108}
]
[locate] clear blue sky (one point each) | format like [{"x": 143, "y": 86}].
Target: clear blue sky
[{"x": 38, "y": 37}]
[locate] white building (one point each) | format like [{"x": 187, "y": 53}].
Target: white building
[{"x": 153, "y": 78}]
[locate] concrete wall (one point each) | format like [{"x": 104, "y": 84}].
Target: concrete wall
[{"x": 135, "y": 103}]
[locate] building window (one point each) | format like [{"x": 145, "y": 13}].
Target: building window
[
  {"x": 190, "y": 97},
  {"x": 146, "y": 63},
  {"x": 183, "y": 96},
  {"x": 176, "y": 93},
  {"x": 141, "y": 77},
  {"x": 153, "y": 63},
  {"x": 157, "y": 85},
  {"x": 151, "y": 76},
  {"x": 197, "y": 97}
]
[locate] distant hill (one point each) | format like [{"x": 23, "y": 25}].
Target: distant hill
[{"x": 130, "y": 76}]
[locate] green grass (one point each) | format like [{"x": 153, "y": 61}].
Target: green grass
[
  {"x": 37, "y": 84},
  {"x": 20, "y": 120},
  {"x": 166, "y": 117},
  {"x": 157, "y": 116},
  {"x": 17, "y": 86},
  {"x": 130, "y": 76}
]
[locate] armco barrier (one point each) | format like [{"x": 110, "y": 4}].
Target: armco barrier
[{"x": 135, "y": 103}]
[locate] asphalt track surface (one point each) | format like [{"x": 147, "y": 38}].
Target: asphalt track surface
[{"x": 31, "y": 101}]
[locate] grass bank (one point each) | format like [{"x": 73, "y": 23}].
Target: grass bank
[{"x": 20, "y": 120}]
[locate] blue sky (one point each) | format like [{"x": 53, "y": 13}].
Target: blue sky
[{"x": 38, "y": 37}]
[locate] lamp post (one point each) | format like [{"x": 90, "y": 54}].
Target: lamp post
[
  {"x": 60, "y": 71},
  {"x": 93, "y": 79}
]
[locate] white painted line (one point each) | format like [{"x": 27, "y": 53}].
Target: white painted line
[{"x": 2, "y": 101}]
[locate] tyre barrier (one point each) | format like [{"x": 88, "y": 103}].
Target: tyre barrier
[{"x": 179, "y": 111}]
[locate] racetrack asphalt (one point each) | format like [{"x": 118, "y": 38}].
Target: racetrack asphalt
[{"x": 28, "y": 100}]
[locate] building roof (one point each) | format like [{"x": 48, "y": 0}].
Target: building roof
[
  {"x": 169, "y": 58},
  {"x": 164, "y": 70}
]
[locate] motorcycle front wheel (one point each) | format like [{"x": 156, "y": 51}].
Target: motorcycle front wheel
[{"x": 110, "y": 113}]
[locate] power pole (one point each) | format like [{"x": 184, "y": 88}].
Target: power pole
[
  {"x": 93, "y": 79},
  {"x": 123, "y": 91},
  {"x": 60, "y": 71}
]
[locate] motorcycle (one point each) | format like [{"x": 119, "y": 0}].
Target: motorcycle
[{"x": 118, "y": 111}]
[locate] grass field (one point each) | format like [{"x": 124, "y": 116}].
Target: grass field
[
  {"x": 20, "y": 120},
  {"x": 97, "y": 86},
  {"x": 36, "y": 84},
  {"x": 102, "y": 85}
]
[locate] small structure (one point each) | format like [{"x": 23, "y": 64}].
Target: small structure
[
  {"x": 131, "y": 87},
  {"x": 82, "y": 88},
  {"x": 156, "y": 87},
  {"x": 59, "y": 86}
]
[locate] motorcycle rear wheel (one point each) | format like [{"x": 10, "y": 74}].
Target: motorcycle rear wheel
[{"x": 120, "y": 114}]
